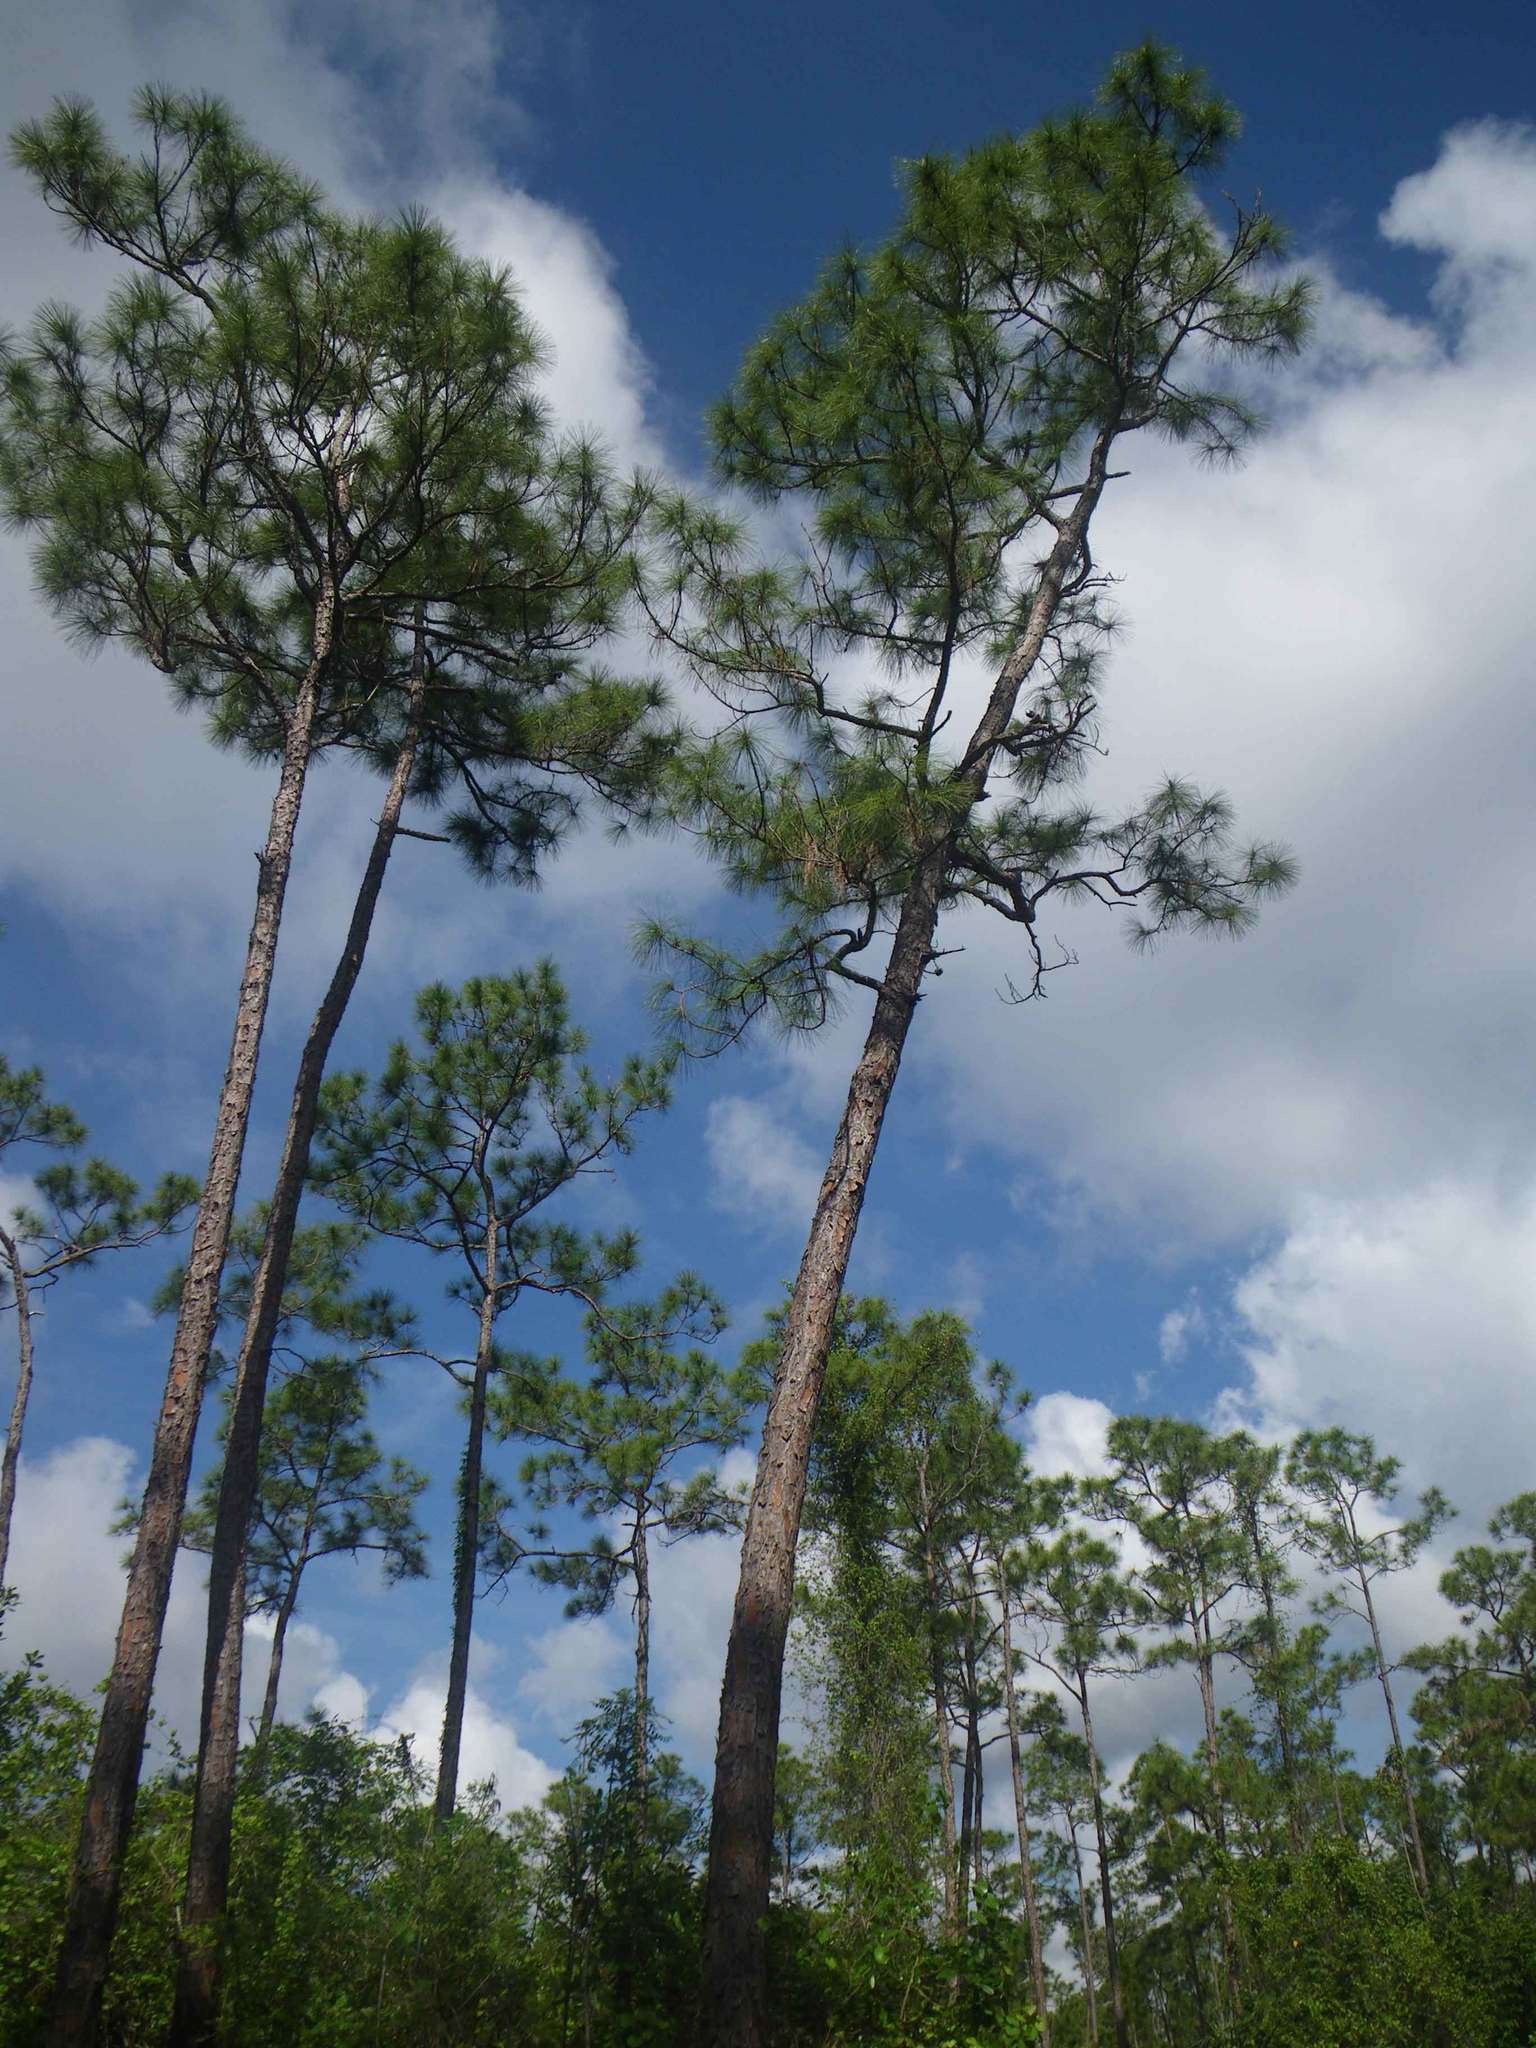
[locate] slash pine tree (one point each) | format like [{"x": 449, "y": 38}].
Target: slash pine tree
[{"x": 949, "y": 412}]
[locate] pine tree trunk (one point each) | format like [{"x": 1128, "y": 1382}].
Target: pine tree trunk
[
  {"x": 1085, "y": 1923},
  {"x": 1274, "y": 1639},
  {"x": 467, "y": 1548},
  {"x": 741, "y": 1817},
  {"x": 1420, "y": 1870},
  {"x": 112, "y": 1783},
  {"x": 1218, "y": 1808},
  {"x": 275, "y": 1660},
  {"x": 1021, "y": 1820},
  {"x": 967, "y": 1823},
  {"x": 207, "y": 1883},
  {"x": 1106, "y": 1883},
  {"x": 12, "y": 1454},
  {"x": 642, "y": 1564},
  {"x": 975, "y": 1761},
  {"x": 941, "y": 1730}
]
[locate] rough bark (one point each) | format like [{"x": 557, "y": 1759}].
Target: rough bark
[
  {"x": 12, "y": 1454},
  {"x": 1106, "y": 1883},
  {"x": 741, "y": 1818},
  {"x": 1021, "y": 1821},
  {"x": 207, "y": 1884},
  {"x": 112, "y": 1783}
]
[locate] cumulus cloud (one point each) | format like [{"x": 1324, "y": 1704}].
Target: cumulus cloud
[
  {"x": 1065, "y": 1434},
  {"x": 66, "y": 1566},
  {"x": 1411, "y": 1316},
  {"x": 1336, "y": 633},
  {"x": 490, "y": 1747}
]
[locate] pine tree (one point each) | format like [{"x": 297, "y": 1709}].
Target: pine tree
[
  {"x": 296, "y": 466},
  {"x": 952, "y": 408},
  {"x": 608, "y": 1448},
  {"x": 84, "y": 1208},
  {"x": 1345, "y": 1481},
  {"x": 1089, "y": 1611},
  {"x": 1477, "y": 1708},
  {"x": 324, "y": 1490},
  {"x": 1170, "y": 1482},
  {"x": 456, "y": 1147}
]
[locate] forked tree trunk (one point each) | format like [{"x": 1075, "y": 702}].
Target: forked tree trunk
[
  {"x": 12, "y": 1454},
  {"x": 111, "y": 1786},
  {"x": 195, "y": 2015},
  {"x": 1021, "y": 1820},
  {"x": 741, "y": 1817}
]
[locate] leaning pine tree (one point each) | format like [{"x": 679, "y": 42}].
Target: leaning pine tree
[
  {"x": 952, "y": 408},
  {"x": 297, "y": 466}
]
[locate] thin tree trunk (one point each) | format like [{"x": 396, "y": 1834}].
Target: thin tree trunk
[
  {"x": 466, "y": 1552},
  {"x": 1085, "y": 1922},
  {"x": 275, "y": 1660},
  {"x": 1106, "y": 1883},
  {"x": 1274, "y": 1636},
  {"x": 642, "y": 1564},
  {"x": 12, "y": 1454},
  {"x": 1021, "y": 1819},
  {"x": 1420, "y": 1871},
  {"x": 967, "y": 1825},
  {"x": 941, "y": 1729},
  {"x": 737, "y": 1884},
  {"x": 1218, "y": 1808},
  {"x": 207, "y": 1885},
  {"x": 111, "y": 1786}
]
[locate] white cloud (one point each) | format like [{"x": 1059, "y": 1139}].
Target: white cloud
[
  {"x": 1337, "y": 635},
  {"x": 1475, "y": 208},
  {"x": 67, "y": 1568},
  {"x": 599, "y": 379},
  {"x": 1412, "y": 1317},
  {"x": 489, "y": 1748},
  {"x": 573, "y": 1664},
  {"x": 762, "y": 1169},
  {"x": 1179, "y": 1329},
  {"x": 1066, "y": 1433}
]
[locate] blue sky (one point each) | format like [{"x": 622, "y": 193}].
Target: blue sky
[{"x": 1283, "y": 1183}]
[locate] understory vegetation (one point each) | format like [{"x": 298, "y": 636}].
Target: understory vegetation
[{"x": 968, "y": 1848}]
